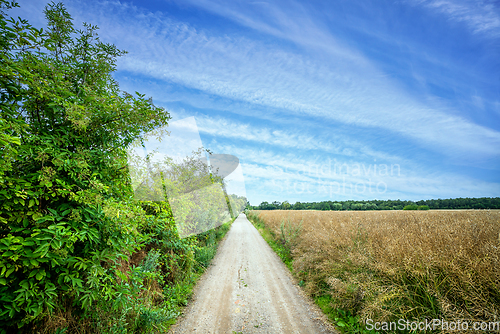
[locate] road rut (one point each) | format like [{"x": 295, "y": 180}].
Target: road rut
[{"x": 247, "y": 289}]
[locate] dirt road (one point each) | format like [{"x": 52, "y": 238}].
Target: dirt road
[{"x": 247, "y": 289}]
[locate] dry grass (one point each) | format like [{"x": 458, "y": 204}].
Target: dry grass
[{"x": 385, "y": 265}]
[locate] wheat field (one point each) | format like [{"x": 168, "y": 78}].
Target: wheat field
[{"x": 386, "y": 265}]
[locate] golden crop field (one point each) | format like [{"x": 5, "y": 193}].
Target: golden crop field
[{"x": 386, "y": 265}]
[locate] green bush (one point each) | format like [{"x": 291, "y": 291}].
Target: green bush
[{"x": 74, "y": 244}]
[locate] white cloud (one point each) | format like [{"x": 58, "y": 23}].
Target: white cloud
[
  {"x": 337, "y": 144},
  {"x": 227, "y": 128},
  {"x": 480, "y": 16},
  {"x": 343, "y": 90},
  {"x": 284, "y": 179},
  {"x": 289, "y": 20}
]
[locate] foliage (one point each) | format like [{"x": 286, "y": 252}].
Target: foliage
[
  {"x": 63, "y": 111},
  {"x": 197, "y": 197},
  {"x": 78, "y": 253}
]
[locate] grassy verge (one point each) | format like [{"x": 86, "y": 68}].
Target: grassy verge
[
  {"x": 206, "y": 249},
  {"x": 177, "y": 296},
  {"x": 208, "y": 242},
  {"x": 174, "y": 266}
]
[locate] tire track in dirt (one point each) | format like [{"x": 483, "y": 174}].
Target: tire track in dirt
[{"x": 247, "y": 289}]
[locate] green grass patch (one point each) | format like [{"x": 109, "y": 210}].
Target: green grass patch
[
  {"x": 208, "y": 242},
  {"x": 345, "y": 321}
]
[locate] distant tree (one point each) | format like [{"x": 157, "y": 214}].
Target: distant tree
[
  {"x": 357, "y": 206},
  {"x": 264, "y": 206},
  {"x": 324, "y": 206},
  {"x": 298, "y": 206},
  {"x": 336, "y": 206}
]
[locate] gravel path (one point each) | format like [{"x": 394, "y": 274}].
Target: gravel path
[{"x": 247, "y": 289}]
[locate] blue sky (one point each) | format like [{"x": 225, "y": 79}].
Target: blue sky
[{"x": 322, "y": 100}]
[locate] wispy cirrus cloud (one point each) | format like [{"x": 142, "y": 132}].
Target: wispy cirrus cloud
[
  {"x": 242, "y": 69},
  {"x": 480, "y": 16},
  {"x": 274, "y": 138},
  {"x": 306, "y": 178},
  {"x": 223, "y": 127},
  {"x": 288, "y": 20}
]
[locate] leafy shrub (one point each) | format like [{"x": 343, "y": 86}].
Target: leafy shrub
[{"x": 78, "y": 254}]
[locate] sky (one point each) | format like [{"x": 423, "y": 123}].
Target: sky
[{"x": 321, "y": 100}]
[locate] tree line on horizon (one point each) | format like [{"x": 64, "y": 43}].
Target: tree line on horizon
[{"x": 451, "y": 203}]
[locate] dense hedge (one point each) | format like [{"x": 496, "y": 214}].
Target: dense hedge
[{"x": 77, "y": 252}]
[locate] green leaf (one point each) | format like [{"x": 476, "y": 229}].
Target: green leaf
[
  {"x": 10, "y": 271},
  {"x": 40, "y": 275}
]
